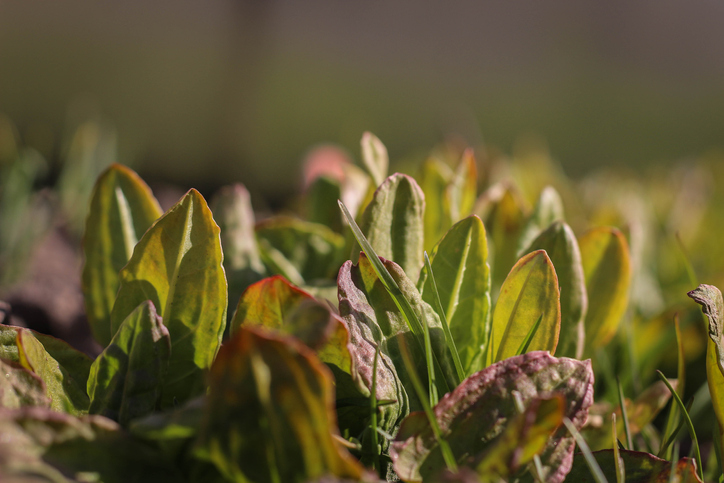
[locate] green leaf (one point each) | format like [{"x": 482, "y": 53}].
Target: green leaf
[
  {"x": 20, "y": 387},
  {"x": 122, "y": 208},
  {"x": 177, "y": 265},
  {"x": 547, "y": 210},
  {"x": 503, "y": 212},
  {"x": 313, "y": 250},
  {"x": 393, "y": 223},
  {"x": 607, "y": 268},
  {"x": 374, "y": 157},
  {"x": 478, "y": 411},
  {"x": 269, "y": 415},
  {"x": 63, "y": 369},
  {"x": 126, "y": 379},
  {"x": 463, "y": 189},
  {"x": 461, "y": 270},
  {"x": 531, "y": 290},
  {"x": 640, "y": 468},
  {"x": 364, "y": 301},
  {"x": 525, "y": 436},
  {"x": 435, "y": 176},
  {"x": 242, "y": 262},
  {"x": 560, "y": 244}
]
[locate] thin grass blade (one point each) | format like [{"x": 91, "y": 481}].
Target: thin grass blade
[
  {"x": 526, "y": 342},
  {"x": 590, "y": 459},
  {"x": 624, "y": 415},
  {"x": 445, "y": 327}
]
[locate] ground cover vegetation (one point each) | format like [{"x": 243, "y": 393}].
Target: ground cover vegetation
[{"x": 440, "y": 327}]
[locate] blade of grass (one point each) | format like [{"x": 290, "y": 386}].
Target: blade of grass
[
  {"x": 620, "y": 470},
  {"x": 624, "y": 415},
  {"x": 680, "y": 378},
  {"x": 431, "y": 386},
  {"x": 445, "y": 327},
  {"x": 675, "y": 433},
  {"x": 373, "y": 414},
  {"x": 692, "y": 432},
  {"x": 526, "y": 342},
  {"x": 590, "y": 459},
  {"x": 447, "y": 453},
  {"x": 394, "y": 290}
]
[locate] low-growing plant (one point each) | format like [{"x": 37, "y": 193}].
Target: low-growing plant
[{"x": 429, "y": 333}]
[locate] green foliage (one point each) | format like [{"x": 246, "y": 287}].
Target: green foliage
[{"x": 465, "y": 368}]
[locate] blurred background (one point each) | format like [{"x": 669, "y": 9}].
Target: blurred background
[{"x": 206, "y": 93}]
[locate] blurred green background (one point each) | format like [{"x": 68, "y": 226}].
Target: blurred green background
[{"x": 206, "y": 93}]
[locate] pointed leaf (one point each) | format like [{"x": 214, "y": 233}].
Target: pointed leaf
[
  {"x": 393, "y": 223},
  {"x": 126, "y": 379},
  {"x": 63, "y": 369},
  {"x": 177, "y": 266},
  {"x": 270, "y": 413},
  {"x": 321, "y": 202},
  {"x": 640, "y": 468},
  {"x": 548, "y": 209},
  {"x": 607, "y": 268},
  {"x": 20, "y": 387},
  {"x": 561, "y": 245},
  {"x": 374, "y": 157},
  {"x": 434, "y": 179},
  {"x": 315, "y": 251},
  {"x": 122, "y": 209},
  {"x": 478, "y": 410},
  {"x": 531, "y": 290},
  {"x": 242, "y": 262},
  {"x": 463, "y": 280}
]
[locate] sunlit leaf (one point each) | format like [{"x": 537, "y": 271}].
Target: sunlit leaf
[
  {"x": 607, "y": 268},
  {"x": 374, "y": 157},
  {"x": 561, "y": 245},
  {"x": 477, "y": 412},
  {"x": 126, "y": 379},
  {"x": 121, "y": 210},
  {"x": 461, "y": 270},
  {"x": 531, "y": 290},
  {"x": 177, "y": 265},
  {"x": 270, "y": 413},
  {"x": 315, "y": 251},
  {"x": 20, "y": 387},
  {"x": 640, "y": 468},
  {"x": 63, "y": 369},
  {"x": 393, "y": 223}
]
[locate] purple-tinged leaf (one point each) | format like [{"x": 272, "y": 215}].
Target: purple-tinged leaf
[{"x": 477, "y": 412}]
